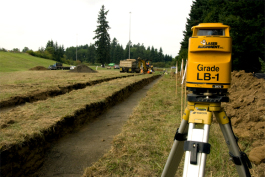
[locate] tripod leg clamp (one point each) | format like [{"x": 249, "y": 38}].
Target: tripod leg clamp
[
  {"x": 180, "y": 136},
  {"x": 242, "y": 158},
  {"x": 194, "y": 147}
]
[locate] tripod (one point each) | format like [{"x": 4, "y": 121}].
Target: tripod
[{"x": 192, "y": 137}]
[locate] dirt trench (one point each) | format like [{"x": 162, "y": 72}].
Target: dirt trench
[
  {"x": 24, "y": 159},
  {"x": 78, "y": 150}
]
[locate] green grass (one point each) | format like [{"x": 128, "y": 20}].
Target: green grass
[{"x": 10, "y": 62}]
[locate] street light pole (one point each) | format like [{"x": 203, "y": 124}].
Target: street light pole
[
  {"x": 129, "y": 35},
  {"x": 76, "y": 47}
]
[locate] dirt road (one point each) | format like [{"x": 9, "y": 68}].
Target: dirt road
[{"x": 73, "y": 153}]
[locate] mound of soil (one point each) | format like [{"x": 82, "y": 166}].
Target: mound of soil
[
  {"x": 37, "y": 68},
  {"x": 247, "y": 112},
  {"x": 83, "y": 69}
]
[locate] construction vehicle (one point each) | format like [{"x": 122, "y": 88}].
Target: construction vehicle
[
  {"x": 129, "y": 66},
  {"x": 58, "y": 66},
  {"x": 136, "y": 65},
  {"x": 145, "y": 66}
]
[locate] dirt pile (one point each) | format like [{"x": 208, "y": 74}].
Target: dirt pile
[
  {"x": 83, "y": 69},
  {"x": 247, "y": 111},
  {"x": 38, "y": 68}
]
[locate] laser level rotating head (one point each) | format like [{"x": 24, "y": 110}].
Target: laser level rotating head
[{"x": 209, "y": 59}]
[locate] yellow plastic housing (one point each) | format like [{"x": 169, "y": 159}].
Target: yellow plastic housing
[{"x": 209, "y": 56}]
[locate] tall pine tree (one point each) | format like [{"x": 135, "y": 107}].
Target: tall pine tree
[{"x": 102, "y": 43}]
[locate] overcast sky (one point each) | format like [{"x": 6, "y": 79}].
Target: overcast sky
[{"x": 32, "y": 23}]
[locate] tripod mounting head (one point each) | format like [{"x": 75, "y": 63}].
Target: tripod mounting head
[{"x": 209, "y": 62}]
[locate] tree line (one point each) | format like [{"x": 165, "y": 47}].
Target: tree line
[
  {"x": 246, "y": 19},
  {"x": 87, "y": 53}
]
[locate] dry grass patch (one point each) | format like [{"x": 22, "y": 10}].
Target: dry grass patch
[
  {"x": 26, "y": 121},
  {"x": 29, "y": 82}
]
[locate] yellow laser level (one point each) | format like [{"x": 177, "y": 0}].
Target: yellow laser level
[
  {"x": 209, "y": 58},
  {"x": 208, "y": 77}
]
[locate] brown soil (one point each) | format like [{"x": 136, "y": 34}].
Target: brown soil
[
  {"x": 83, "y": 69},
  {"x": 38, "y": 68},
  {"x": 247, "y": 112}
]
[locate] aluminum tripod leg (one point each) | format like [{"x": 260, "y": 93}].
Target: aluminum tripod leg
[
  {"x": 199, "y": 116},
  {"x": 176, "y": 153},
  {"x": 239, "y": 158},
  {"x": 196, "y": 135}
]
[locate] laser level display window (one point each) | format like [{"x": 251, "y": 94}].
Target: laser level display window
[{"x": 210, "y": 32}]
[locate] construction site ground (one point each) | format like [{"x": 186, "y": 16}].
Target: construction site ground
[
  {"x": 28, "y": 131},
  {"x": 246, "y": 110}
]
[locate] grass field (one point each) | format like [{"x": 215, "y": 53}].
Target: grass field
[
  {"x": 21, "y": 62},
  {"x": 10, "y": 62}
]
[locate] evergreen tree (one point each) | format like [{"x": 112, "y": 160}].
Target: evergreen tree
[
  {"x": 152, "y": 55},
  {"x": 70, "y": 53},
  {"x": 126, "y": 50},
  {"x": 102, "y": 37},
  {"x": 82, "y": 54},
  {"x": 25, "y": 49},
  {"x": 49, "y": 44},
  {"x": 112, "y": 49},
  {"x": 147, "y": 53},
  {"x": 161, "y": 55},
  {"x": 91, "y": 54},
  {"x": 118, "y": 54},
  {"x": 139, "y": 51},
  {"x": 52, "y": 51},
  {"x": 247, "y": 22}
]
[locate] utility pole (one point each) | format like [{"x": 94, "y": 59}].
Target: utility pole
[
  {"x": 76, "y": 47},
  {"x": 129, "y": 35}
]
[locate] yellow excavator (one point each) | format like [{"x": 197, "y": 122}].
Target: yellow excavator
[{"x": 145, "y": 66}]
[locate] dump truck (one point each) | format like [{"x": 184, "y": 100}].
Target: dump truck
[
  {"x": 136, "y": 65},
  {"x": 129, "y": 66},
  {"x": 58, "y": 66}
]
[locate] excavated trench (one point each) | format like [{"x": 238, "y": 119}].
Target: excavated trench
[
  {"x": 24, "y": 159},
  {"x": 19, "y": 100}
]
